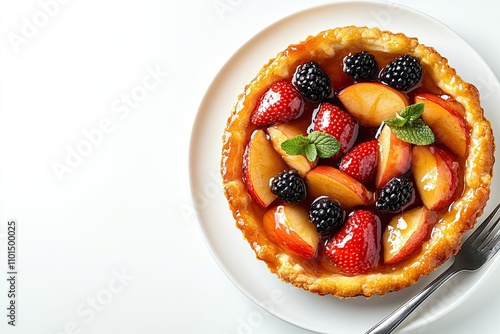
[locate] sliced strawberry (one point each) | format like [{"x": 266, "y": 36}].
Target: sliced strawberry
[
  {"x": 361, "y": 161},
  {"x": 338, "y": 123},
  {"x": 355, "y": 249},
  {"x": 279, "y": 104}
]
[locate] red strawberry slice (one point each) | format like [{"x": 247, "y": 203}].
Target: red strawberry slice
[
  {"x": 338, "y": 123},
  {"x": 361, "y": 161},
  {"x": 355, "y": 248},
  {"x": 279, "y": 104}
]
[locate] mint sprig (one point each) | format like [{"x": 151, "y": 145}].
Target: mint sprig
[
  {"x": 409, "y": 127},
  {"x": 315, "y": 145}
]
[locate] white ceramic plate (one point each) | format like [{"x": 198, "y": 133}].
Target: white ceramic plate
[{"x": 234, "y": 255}]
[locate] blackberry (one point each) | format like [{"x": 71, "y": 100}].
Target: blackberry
[
  {"x": 403, "y": 73},
  {"x": 289, "y": 186},
  {"x": 361, "y": 65},
  {"x": 326, "y": 215},
  {"x": 395, "y": 195},
  {"x": 312, "y": 82}
]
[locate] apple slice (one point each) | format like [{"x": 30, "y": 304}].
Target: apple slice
[
  {"x": 289, "y": 226},
  {"x": 261, "y": 163},
  {"x": 405, "y": 233},
  {"x": 446, "y": 121},
  {"x": 394, "y": 157},
  {"x": 329, "y": 181},
  {"x": 436, "y": 175},
  {"x": 371, "y": 102},
  {"x": 281, "y": 132}
]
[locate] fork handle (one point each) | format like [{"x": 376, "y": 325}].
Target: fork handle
[{"x": 389, "y": 324}]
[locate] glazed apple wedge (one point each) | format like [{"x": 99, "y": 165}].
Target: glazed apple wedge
[
  {"x": 329, "y": 181},
  {"x": 289, "y": 226},
  {"x": 395, "y": 157},
  {"x": 445, "y": 121},
  {"x": 436, "y": 175},
  {"x": 281, "y": 132},
  {"x": 261, "y": 163},
  {"x": 371, "y": 102},
  {"x": 405, "y": 233}
]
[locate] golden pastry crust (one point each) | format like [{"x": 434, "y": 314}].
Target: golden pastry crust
[{"x": 446, "y": 236}]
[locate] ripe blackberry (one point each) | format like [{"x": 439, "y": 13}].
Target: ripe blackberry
[
  {"x": 289, "y": 186},
  {"x": 312, "y": 82},
  {"x": 326, "y": 215},
  {"x": 361, "y": 65},
  {"x": 403, "y": 73},
  {"x": 395, "y": 195}
]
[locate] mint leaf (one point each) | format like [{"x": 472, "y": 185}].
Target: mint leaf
[
  {"x": 296, "y": 145},
  {"x": 311, "y": 153},
  {"x": 417, "y": 133},
  {"x": 409, "y": 127},
  {"x": 397, "y": 121},
  {"x": 412, "y": 112},
  {"x": 327, "y": 145},
  {"x": 316, "y": 144}
]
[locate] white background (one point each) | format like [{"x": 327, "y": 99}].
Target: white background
[{"x": 111, "y": 244}]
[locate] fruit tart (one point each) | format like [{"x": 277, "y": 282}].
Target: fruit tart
[{"x": 354, "y": 162}]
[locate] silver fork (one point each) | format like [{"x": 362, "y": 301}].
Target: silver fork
[{"x": 481, "y": 246}]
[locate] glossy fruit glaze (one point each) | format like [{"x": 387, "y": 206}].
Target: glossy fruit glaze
[{"x": 320, "y": 264}]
